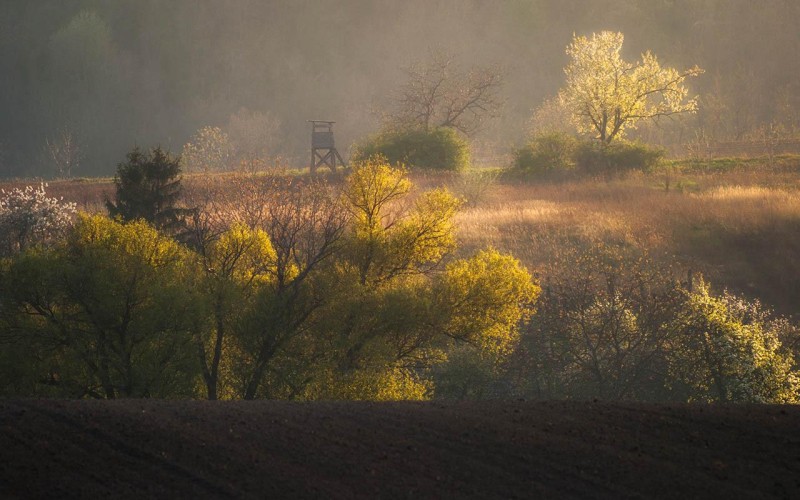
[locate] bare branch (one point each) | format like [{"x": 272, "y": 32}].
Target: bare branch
[{"x": 438, "y": 94}]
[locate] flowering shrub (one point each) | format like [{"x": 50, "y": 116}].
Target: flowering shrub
[{"x": 28, "y": 217}]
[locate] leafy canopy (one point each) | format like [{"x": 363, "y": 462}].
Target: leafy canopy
[
  {"x": 391, "y": 238},
  {"x": 485, "y": 298},
  {"x": 607, "y": 95},
  {"x": 108, "y": 313},
  {"x": 731, "y": 352}
]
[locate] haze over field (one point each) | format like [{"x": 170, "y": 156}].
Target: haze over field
[{"x": 130, "y": 72}]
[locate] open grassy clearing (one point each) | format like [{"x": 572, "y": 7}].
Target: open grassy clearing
[
  {"x": 736, "y": 221},
  {"x": 740, "y": 227}
]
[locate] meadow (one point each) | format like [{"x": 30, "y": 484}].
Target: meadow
[{"x": 736, "y": 221}]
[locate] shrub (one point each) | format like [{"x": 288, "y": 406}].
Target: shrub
[
  {"x": 437, "y": 149},
  {"x": 546, "y": 154},
  {"x": 28, "y": 216},
  {"x": 594, "y": 158},
  {"x": 730, "y": 351}
]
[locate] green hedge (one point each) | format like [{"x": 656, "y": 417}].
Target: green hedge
[
  {"x": 592, "y": 158},
  {"x": 546, "y": 155},
  {"x": 437, "y": 149},
  {"x": 558, "y": 155}
]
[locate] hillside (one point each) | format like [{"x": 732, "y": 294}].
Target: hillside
[{"x": 267, "y": 449}]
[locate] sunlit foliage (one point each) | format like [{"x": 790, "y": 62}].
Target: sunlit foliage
[
  {"x": 608, "y": 95},
  {"x": 107, "y": 314},
  {"x": 209, "y": 150},
  {"x": 485, "y": 298},
  {"x": 387, "y": 384},
  {"x": 399, "y": 310},
  {"x": 390, "y": 238},
  {"x": 729, "y": 350},
  {"x": 232, "y": 269}
]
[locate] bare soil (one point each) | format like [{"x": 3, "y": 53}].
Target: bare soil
[{"x": 508, "y": 449}]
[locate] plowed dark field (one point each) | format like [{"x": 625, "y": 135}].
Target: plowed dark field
[{"x": 167, "y": 449}]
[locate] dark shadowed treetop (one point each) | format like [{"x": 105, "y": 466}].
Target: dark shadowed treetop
[{"x": 148, "y": 187}]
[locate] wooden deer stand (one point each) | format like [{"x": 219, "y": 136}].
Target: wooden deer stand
[{"x": 323, "y": 150}]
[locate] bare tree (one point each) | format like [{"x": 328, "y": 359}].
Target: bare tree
[
  {"x": 304, "y": 222},
  {"x": 64, "y": 151},
  {"x": 437, "y": 93}
]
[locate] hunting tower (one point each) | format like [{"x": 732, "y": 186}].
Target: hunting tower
[{"x": 323, "y": 150}]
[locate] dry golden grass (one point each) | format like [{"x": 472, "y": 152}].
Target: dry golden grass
[
  {"x": 741, "y": 228},
  {"x": 88, "y": 194},
  {"x": 743, "y": 236}
]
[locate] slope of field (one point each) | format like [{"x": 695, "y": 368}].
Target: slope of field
[{"x": 162, "y": 449}]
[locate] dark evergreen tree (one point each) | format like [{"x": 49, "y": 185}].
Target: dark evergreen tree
[{"x": 148, "y": 187}]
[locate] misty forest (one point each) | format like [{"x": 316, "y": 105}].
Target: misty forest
[{"x": 538, "y": 199}]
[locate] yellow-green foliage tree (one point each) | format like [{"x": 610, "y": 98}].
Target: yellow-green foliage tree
[
  {"x": 607, "y": 95},
  {"x": 350, "y": 294},
  {"x": 389, "y": 238},
  {"x": 106, "y": 314},
  {"x": 729, "y": 351},
  {"x": 399, "y": 310},
  {"x": 481, "y": 302},
  {"x": 484, "y": 299},
  {"x": 234, "y": 267}
]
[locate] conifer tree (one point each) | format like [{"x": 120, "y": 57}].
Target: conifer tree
[{"x": 148, "y": 187}]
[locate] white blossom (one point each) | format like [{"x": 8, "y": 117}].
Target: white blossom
[{"x": 29, "y": 217}]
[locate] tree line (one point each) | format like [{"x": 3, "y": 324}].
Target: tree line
[
  {"x": 299, "y": 289},
  {"x": 276, "y": 286},
  {"x": 81, "y": 80}
]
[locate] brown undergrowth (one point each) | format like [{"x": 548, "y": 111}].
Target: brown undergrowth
[{"x": 741, "y": 229}]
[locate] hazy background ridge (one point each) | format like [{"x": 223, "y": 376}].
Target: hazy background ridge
[{"x": 152, "y": 72}]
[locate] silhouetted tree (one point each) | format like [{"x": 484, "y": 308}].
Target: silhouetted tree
[
  {"x": 437, "y": 93},
  {"x": 148, "y": 187}
]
